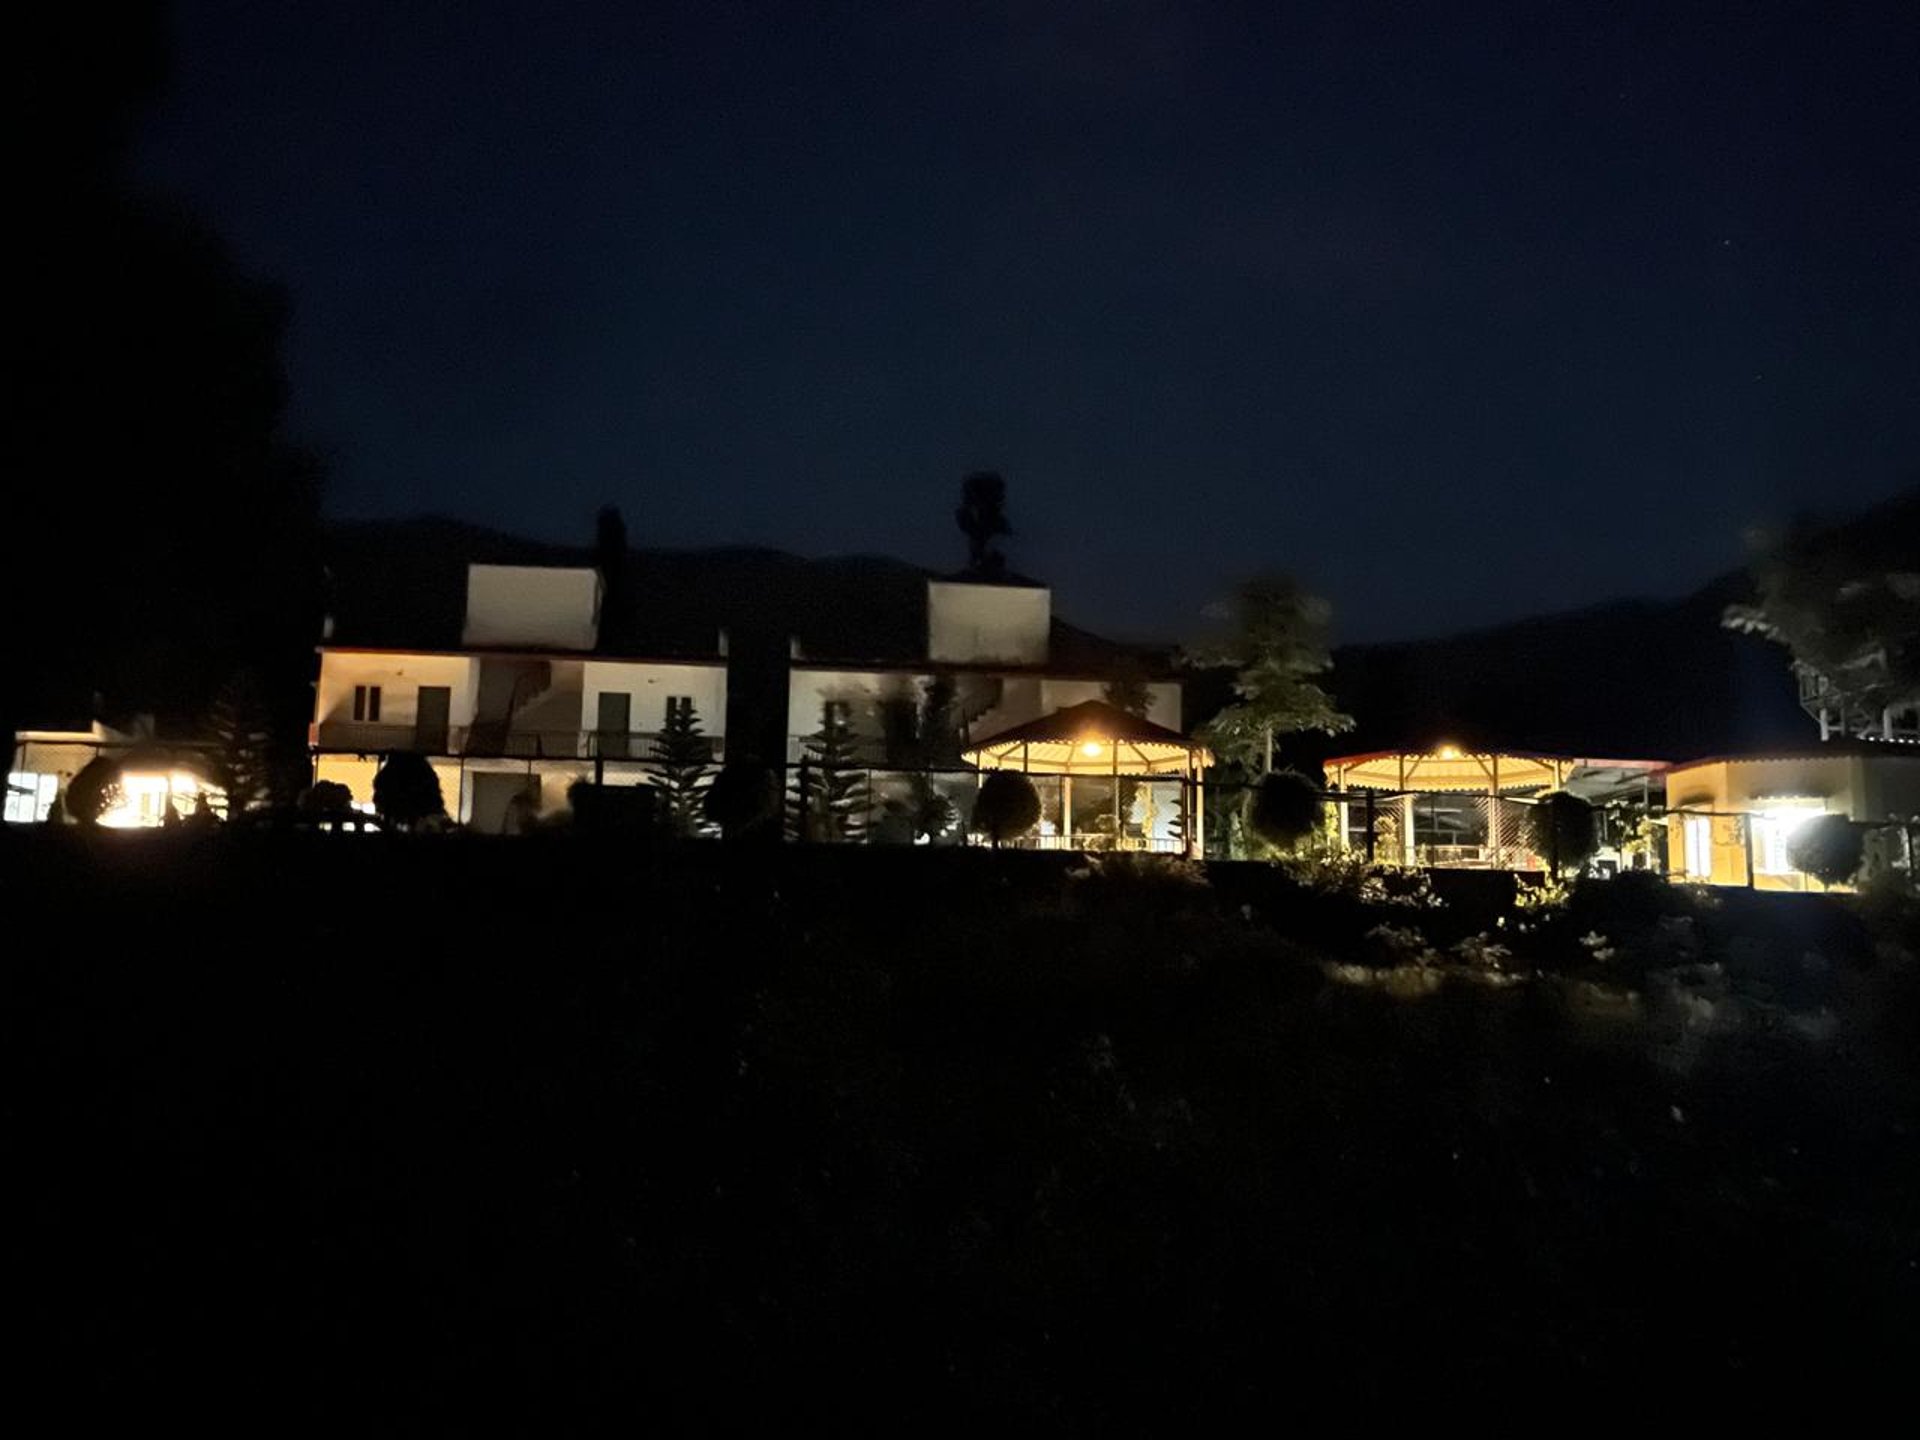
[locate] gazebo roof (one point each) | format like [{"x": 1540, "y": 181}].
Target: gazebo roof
[
  {"x": 1091, "y": 738},
  {"x": 1449, "y": 768}
]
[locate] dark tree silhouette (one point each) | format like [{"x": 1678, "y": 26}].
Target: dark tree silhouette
[
  {"x": 1283, "y": 809},
  {"x": 612, "y": 557},
  {"x": 629, "y": 811},
  {"x": 95, "y": 790},
  {"x": 1561, "y": 831},
  {"x": 740, "y": 801},
  {"x": 242, "y": 732},
  {"x": 982, "y": 518},
  {"x": 1128, "y": 689},
  {"x": 1845, "y": 602},
  {"x": 922, "y": 734},
  {"x": 830, "y": 785},
  {"x": 406, "y": 791},
  {"x": 324, "y": 799},
  {"x": 156, "y": 390},
  {"x": 1007, "y": 807},
  {"x": 1830, "y": 848},
  {"x": 1278, "y": 645},
  {"x": 682, "y": 758}
]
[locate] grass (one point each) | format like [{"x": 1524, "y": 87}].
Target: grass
[{"x": 709, "y": 1138}]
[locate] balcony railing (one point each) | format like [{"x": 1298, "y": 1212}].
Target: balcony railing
[{"x": 491, "y": 742}]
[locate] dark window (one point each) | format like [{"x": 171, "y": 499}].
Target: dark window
[
  {"x": 366, "y": 703},
  {"x": 680, "y": 707}
]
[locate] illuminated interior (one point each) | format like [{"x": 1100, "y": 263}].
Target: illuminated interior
[
  {"x": 1773, "y": 827},
  {"x": 144, "y": 796}
]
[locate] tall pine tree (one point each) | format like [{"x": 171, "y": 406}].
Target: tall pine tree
[
  {"x": 683, "y": 761},
  {"x": 829, "y": 792},
  {"x": 242, "y": 732}
]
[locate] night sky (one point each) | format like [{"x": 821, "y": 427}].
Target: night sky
[{"x": 1457, "y": 312}]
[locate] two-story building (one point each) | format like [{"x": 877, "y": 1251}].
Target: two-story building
[
  {"x": 521, "y": 704},
  {"x": 987, "y": 655}
]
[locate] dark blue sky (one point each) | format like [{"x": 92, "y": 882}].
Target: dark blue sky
[{"x": 1458, "y": 312}]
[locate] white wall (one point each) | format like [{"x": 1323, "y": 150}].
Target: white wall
[
  {"x": 650, "y": 684},
  {"x": 809, "y": 690},
  {"x": 1020, "y": 698},
  {"x": 984, "y": 624},
  {"x": 547, "y": 607},
  {"x": 399, "y": 677}
]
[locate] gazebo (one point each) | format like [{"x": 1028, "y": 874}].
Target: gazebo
[
  {"x": 1399, "y": 777},
  {"x": 1097, "y": 741}
]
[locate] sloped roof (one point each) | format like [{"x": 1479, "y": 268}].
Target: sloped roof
[
  {"x": 1092, "y": 737},
  {"x": 1836, "y": 749},
  {"x": 1090, "y": 718}
]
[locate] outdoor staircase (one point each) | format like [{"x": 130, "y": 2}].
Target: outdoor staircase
[{"x": 506, "y": 688}]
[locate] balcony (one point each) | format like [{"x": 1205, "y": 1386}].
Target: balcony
[{"x": 490, "y": 742}]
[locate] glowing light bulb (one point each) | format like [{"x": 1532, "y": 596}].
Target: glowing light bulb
[
  {"x": 1449, "y": 752},
  {"x": 1090, "y": 748}
]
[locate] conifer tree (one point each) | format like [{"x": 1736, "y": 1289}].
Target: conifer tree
[
  {"x": 830, "y": 787},
  {"x": 683, "y": 760},
  {"x": 242, "y": 732}
]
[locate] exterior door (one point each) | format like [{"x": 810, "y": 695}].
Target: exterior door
[
  {"x": 430, "y": 719},
  {"x": 616, "y": 713}
]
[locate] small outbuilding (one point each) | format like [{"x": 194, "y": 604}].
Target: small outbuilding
[
  {"x": 1141, "y": 786},
  {"x": 1460, "y": 808}
]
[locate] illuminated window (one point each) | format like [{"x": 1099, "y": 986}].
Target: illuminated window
[
  {"x": 30, "y": 797},
  {"x": 1696, "y": 831},
  {"x": 366, "y": 703},
  {"x": 1771, "y": 830}
]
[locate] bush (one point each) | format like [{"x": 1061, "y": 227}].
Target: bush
[
  {"x": 614, "y": 809},
  {"x": 325, "y": 799},
  {"x": 1007, "y": 807},
  {"x": 1827, "y": 847},
  {"x": 1284, "y": 809},
  {"x": 406, "y": 791},
  {"x": 95, "y": 790},
  {"x": 741, "y": 800},
  {"x": 1561, "y": 831}
]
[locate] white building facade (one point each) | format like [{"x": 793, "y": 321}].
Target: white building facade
[
  {"x": 524, "y": 709},
  {"x": 991, "y": 648}
]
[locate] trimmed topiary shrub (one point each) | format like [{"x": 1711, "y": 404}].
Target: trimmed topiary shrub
[
  {"x": 325, "y": 799},
  {"x": 1827, "y": 847},
  {"x": 1560, "y": 829},
  {"x": 1007, "y": 807},
  {"x": 95, "y": 790},
  {"x": 1283, "y": 809},
  {"x": 406, "y": 791},
  {"x": 741, "y": 800},
  {"x": 629, "y": 810}
]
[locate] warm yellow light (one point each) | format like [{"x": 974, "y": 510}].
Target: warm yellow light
[
  {"x": 144, "y": 796},
  {"x": 1090, "y": 748},
  {"x": 1449, "y": 752}
]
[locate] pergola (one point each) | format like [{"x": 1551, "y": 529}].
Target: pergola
[
  {"x": 1095, "y": 739},
  {"x": 1449, "y": 769}
]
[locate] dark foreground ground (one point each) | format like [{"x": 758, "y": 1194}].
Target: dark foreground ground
[{"x": 404, "y": 1129}]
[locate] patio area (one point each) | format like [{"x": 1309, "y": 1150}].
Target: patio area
[{"x": 1107, "y": 780}]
